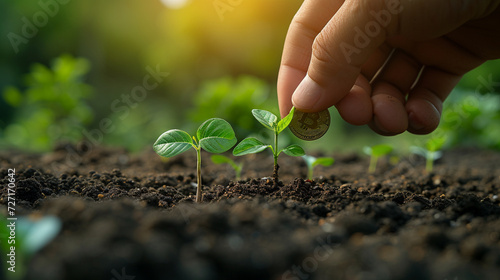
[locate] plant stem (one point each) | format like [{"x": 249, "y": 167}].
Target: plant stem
[
  {"x": 310, "y": 173},
  {"x": 238, "y": 169},
  {"x": 429, "y": 164},
  {"x": 275, "y": 155},
  {"x": 199, "y": 197},
  {"x": 373, "y": 164}
]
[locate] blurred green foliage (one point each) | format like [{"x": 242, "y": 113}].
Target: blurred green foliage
[
  {"x": 233, "y": 100},
  {"x": 196, "y": 45},
  {"x": 52, "y": 107},
  {"x": 472, "y": 118}
]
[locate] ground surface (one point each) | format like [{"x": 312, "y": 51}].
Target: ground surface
[{"x": 133, "y": 217}]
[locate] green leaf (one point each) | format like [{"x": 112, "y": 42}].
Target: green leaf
[
  {"x": 282, "y": 124},
  {"x": 216, "y": 135},
  {"x": 35, "y": 234},
  {"x": 220, "y": 159},
  {"x": 435, "y": 143},
  {"x": 172, "y": 143},
  {"x": 294, "y": 150},
  {"x": 435, "y": 155},
  {"x": 325, "y": 161},
  {"x": 309, "y": 160},
  {"x": 367, "y": 150},
  {"x": 266, "y": 118},
  {"x": 249, "y": 146},
  {"x": 12, "y": 96},
  {"x": 419, "y": 151},
  {"x": 381, "y": 150}
]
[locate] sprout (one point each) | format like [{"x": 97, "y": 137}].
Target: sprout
[
  {"x": 220, "y": 159},
  {"x": 375, "y": 152},
  {"x": 214, "y": 136},
  {"x": 27, "y": 236},
  {"x": 311, "y": 162},
  {"x": 431, "y": 152},
  {"x": 252, "y": 145}
]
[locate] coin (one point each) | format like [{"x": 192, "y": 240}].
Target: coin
[{"x": 310, "y": 126}]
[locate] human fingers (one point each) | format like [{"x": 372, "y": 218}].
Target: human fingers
[
  {"x": 305, "y": 26},
  {"x": 445, "y": 63},
  {"x": 339, "y": 53},
  {"x": 389, "y": 93},
  {"x": 425, "y": 101},
  {"x": 358, "y": 29},
  {"x": 356, "y": 107}
]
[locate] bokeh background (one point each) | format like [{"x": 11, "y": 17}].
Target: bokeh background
[{"x": 119, "y": 73}]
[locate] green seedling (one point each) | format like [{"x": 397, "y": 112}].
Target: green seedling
[
  {"x": 214, "y": 136},
  {"x": 22, "y": 238},
  {"x": 220, "y": 159},
  {"x": 375, "y": 152},
  {"x": 431, "y": 152},
  {"x": 252, "y": 145},
  {"x": 311, "y": 162}
]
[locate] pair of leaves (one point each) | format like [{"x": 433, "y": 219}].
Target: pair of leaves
[
  {"x": 270, "y": 120},
  {"x": 428, "y": 154},
  {"x": 253, "y": 145},
  {"x": 214, "y": 135},
  {"x": 313, "y": 161},
  {"x": 378, "y": 150}
]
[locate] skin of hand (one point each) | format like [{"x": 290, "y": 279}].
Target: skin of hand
[{"x": 334, "y": 49}]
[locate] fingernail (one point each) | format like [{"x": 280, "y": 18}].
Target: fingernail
[
  {"x": 307, "y": 94},
  {"x": 414, "y": 123}
]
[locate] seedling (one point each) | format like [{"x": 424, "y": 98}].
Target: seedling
[
  {"x": 252, "y": 145},
  {"x": 23, "y": 238},
  {"x": 431, "y": 152},
  {"x": 311, "y": 162},
  {"x": 220, "y": 159},
  {"x": 375, "y": 152},
  {"x": 214, "y": 136}
]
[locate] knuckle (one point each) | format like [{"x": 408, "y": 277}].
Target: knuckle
[{"x": 321, "y": 49}]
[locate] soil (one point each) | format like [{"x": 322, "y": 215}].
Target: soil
[{"x": 127, "y": 217}]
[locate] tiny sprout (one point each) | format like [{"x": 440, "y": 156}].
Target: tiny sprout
[
  {"x": 33, "y": 234},
  {"x": 375, "y": 152},
  {"x": 252, "y": 145},
  {"x": 220, "y": 159},
  {"x": 311, "y": 162},
  {"x": 214, "y": 136},
  {"x": 431, "y": 152}
]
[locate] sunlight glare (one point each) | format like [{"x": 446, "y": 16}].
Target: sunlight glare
[{"x": 174, "y": 4}]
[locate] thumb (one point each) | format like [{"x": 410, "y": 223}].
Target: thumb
[{"x": 341, "y": 48}]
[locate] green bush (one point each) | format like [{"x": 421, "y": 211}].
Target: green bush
[
  {"x": 472, "y": 119},
  {"x": 232, "y": 99},
  {"x": 52, "y": 106}
]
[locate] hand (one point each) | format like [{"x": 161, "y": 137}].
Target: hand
[{"x": 334, "y": 48}]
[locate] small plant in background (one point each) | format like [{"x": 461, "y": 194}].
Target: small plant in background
[
  {"x": 220, "y": 159},
  {"x": 214, "y": 136},
  {"x": 375, "y": 152},
  {"x": 472, "y": 118},
  {"x": 431, "y": 152},
  {"x": 52, "y": 107},
  {"x": 31, "y": 235},
  {"x": 311, "y": 162},
  {"x": 252, "y": 145}
]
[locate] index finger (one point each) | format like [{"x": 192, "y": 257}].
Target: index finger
[{"x": 310, "y": 19}]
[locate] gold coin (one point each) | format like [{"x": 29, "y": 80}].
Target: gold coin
[{"x": 310, "y": 126}]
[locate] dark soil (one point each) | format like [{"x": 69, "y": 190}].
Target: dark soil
[{"x": 134, "y": 217}]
